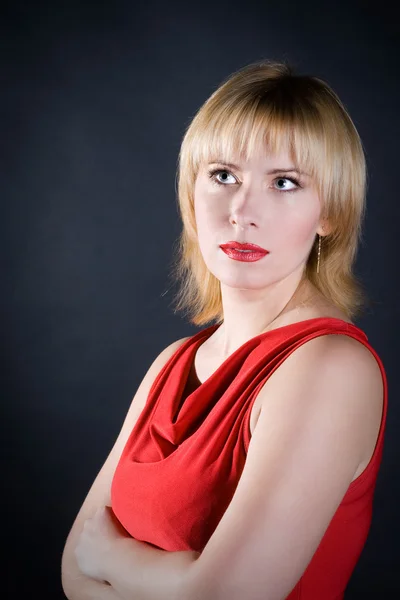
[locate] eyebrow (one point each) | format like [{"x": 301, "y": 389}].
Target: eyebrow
[{"x": 270, "y": 172}]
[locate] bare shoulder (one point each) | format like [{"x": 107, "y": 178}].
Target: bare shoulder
[
  {"x": 339, "y": 372},
  {"x": 334, "y": 360},
  {"x": 334, "y": 353},
  {"x": 342, "y": 354}
]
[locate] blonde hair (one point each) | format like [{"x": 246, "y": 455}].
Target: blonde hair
[{"x": 267, "y": 102}]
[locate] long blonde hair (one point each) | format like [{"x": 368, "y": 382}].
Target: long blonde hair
[{"x": 267, "y": 101}]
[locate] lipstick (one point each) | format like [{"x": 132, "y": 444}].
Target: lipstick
[{"x": 243, "y": 252}]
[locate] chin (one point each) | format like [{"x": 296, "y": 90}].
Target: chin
[{"x": 241, "y": 281}]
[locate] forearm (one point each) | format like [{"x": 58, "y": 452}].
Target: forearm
[
  {"x": 138, "y": 571},
  {"x": 85, "y": 588}
]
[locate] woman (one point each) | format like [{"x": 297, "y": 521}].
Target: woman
[{"x": 247, "y": 462}]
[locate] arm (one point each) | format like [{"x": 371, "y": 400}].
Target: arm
[
  {"x": 135, "y": 569},
  {"x": 78, "y": 585},
  {"x": 320, "y": 410},
  {"x": 75, "y": 584},
  {"x": 89, "y": 589},
  {"x": 142, "y": 572}
]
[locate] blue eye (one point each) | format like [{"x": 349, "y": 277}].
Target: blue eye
[
  {"x": 213, "y": 173},
  {"x": 292, "y": 180}
]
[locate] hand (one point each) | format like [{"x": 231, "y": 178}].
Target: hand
[{"x": 96, "y": 541}]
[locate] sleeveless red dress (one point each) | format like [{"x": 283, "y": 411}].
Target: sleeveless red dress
[{"x": 182, "y": 462}]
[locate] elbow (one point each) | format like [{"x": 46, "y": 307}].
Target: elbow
[
  {"x": 66, "y": 588},
  {"x": 67, "y": 592},
  {"x": 70, "y": 576},
  {"x": 66, "y": 583}
]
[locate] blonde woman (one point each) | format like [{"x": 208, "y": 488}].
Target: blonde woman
[{"x": 247, "y": 462}]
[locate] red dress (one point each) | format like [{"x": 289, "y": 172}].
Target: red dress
[{"x": 182, "y": 462}]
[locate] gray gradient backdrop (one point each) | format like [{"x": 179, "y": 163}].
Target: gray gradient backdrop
[{"x": 94, "y": 101}]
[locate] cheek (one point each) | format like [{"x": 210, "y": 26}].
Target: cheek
[
  {"x": 301, "y": 232},
  {"x": 207, "y": 215},
  {"x": 299, "y": 225},
  {"x": 203, "y": 225}
]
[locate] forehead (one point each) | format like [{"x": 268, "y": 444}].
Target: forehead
[
  {"x": 261, "y": 155},
  {"x": 262, "y": 158}
]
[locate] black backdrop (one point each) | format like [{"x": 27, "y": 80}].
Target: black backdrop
[{"x": 94, "y": 101}]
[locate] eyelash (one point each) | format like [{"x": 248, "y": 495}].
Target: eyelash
[{"x": 214, "y": 172}]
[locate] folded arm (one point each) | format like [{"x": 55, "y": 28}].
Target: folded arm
[
  {"x": 322, "y": 408},
  {"x": 140, "y": 571},
  {"x": 90, "y": 589},
  {"x": 136, "y": 570}
]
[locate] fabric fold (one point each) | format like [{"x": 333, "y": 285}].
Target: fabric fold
[{"x": 182, "y": 462}]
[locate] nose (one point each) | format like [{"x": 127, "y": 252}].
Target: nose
[
  {"x": 243, "y": 212},
  {"x": 241, "y": 221}
]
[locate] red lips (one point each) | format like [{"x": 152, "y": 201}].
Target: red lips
[
  {"x": 243, "y": 252},
  {"x": 247, "y": 246}
]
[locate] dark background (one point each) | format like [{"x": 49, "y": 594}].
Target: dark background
[{"x": 94, "y": 101}]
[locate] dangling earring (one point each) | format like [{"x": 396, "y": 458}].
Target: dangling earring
[{"x": 319, "y": 252}]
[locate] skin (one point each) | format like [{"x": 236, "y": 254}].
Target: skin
[
  {"x": 251, "y": 206},
  {"x": 124, "y": 568}
]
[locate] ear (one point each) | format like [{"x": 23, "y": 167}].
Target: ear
[{"x": 323, "y": 228}]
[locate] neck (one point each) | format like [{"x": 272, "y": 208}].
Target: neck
[{"x": 245, "y": 318}]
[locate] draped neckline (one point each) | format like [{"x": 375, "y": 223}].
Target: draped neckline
[{"x": 193, "y": 382}]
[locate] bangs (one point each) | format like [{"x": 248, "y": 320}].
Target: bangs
[{"x": 239, "y": 130}]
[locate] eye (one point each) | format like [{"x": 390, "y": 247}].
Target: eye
[
  {"x": 214, "y": 173},
  {"x": 224, "y": 175},
  {"x": 292, "y": 180}
]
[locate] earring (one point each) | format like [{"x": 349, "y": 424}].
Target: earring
[{"x": 319, "y": 252}]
